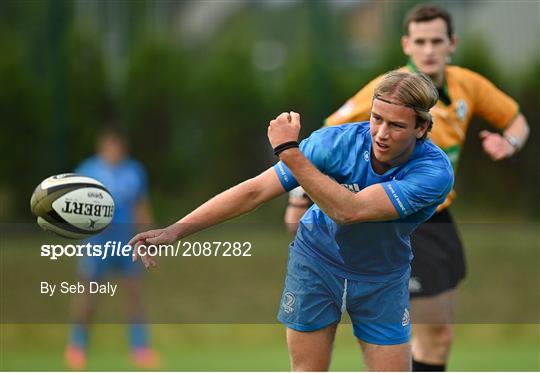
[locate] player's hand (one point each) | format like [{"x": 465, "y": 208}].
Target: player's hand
[
  {"x": 496, "y": 146},
  {"x": 285, "y": 128},
  {"x": 156, "y": 237}
]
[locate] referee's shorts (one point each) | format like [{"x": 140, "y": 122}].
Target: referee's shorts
[{"x": 439, "y": 260}]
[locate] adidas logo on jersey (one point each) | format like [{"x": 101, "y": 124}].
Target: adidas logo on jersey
[
  {"x": 406, "y": 318},
  {"x": 355, "y": 188}
]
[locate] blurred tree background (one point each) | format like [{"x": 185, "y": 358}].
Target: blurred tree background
[{"x": 196, "y": 82}]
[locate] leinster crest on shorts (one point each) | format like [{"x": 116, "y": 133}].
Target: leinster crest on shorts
[{"x": 288, "y": 302}]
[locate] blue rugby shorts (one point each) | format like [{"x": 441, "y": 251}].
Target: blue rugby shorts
[{"x": 314, "y": 297}]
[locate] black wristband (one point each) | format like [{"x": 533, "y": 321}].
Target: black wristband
[{"x": 286, "y": 145}]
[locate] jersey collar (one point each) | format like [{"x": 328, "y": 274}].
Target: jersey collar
[{"x": 443, "y": 91}]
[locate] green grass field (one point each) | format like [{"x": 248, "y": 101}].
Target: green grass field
[
  {"x": 253, "y": 348},
  {"x": 498, "y": 313}
]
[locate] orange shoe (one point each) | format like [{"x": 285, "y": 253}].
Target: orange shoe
[
  {"x": 145, "y": 358},
  {"x": 75, "y": 357}
]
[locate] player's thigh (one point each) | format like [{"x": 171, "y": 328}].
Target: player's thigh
[
  {"x": 311, "y": 351},
  {"x": 437, "y": 309},
  {"x": 395, "y": 358}
]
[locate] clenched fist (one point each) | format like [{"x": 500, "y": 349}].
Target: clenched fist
[{"x": 285, "y": 128}]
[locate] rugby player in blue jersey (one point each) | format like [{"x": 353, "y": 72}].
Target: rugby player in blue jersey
[
  {"x": 126, "y": 179},
  {"x": 352, "y": 250}
]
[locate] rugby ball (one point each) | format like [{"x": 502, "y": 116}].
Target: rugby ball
[{"x": 72, "y": 206}]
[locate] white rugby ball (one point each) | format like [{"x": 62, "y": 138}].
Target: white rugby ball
[{"x": 72, "y": 206}]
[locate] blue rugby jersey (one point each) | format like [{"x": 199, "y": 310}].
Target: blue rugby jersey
[
  {"x": 127, "y": 183},
  {"x": 378, "y": 251}
]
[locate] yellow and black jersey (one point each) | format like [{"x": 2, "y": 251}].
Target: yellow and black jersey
[{"x": 464, "y": 95}]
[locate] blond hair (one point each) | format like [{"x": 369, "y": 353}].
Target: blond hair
[{"x": 413, "y": 90}]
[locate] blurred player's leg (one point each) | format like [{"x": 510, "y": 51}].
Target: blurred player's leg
[
  {"x": 75, "y": 354},
  {"x": 396, "y": 358},
  {"x": 432, "y": 330},
  {"x": 90, "y": 269},
  {"x": 437, "y": 269},
  {"x": 311, "y": 351},
  {"x": 142, "y": 355}
]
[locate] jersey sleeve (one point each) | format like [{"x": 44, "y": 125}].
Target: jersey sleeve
[
  {"x": 313, "y": 150},
  {"x": 356, "y": 109},
  {"x": 491, "y": 103},
  {"x": 423, "y": 186}
]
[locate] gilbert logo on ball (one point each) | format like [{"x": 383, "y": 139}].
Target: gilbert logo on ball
[{"x": 72, "y": 206}]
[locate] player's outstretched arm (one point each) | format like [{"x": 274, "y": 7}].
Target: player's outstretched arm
[
  {"x": 340, "y": 204},
  {"x": 499, "y": 147},
  {"x": 229, "y": 204}
]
